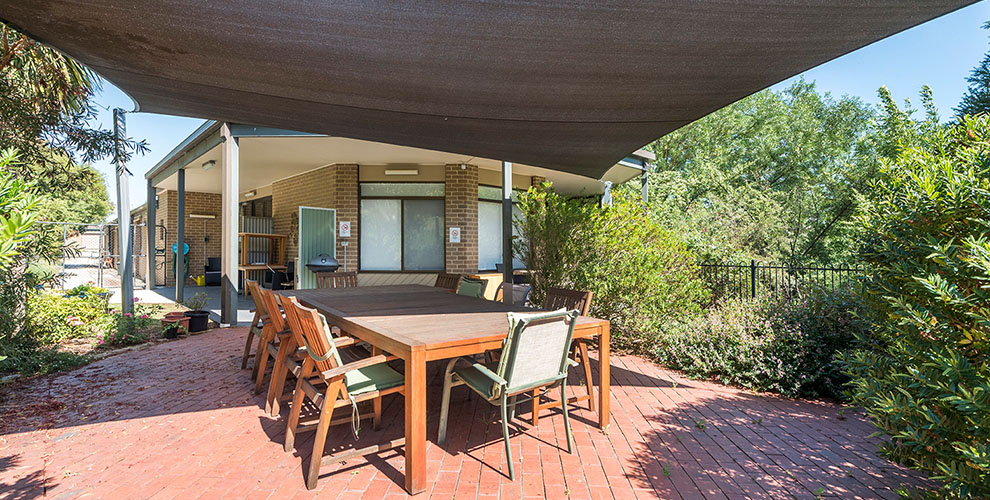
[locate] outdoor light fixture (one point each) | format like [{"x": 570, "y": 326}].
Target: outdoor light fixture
[
  {"x": 208, "y": 165},
  {"x": 411, "y": 171},
  {"x": 202, "y": 216},
  {"x": 250, "y": 194}
]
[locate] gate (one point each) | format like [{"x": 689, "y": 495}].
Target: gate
[{"x": 90, "y": 254}]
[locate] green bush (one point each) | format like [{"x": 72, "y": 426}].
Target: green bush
[
  {"x": 787, "y": 347},
  {"x": 52, "y": 317},
  {"x": 922, "y": 374},
  {"x": 641, "y": 274}
]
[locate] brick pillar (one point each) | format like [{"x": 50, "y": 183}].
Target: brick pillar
[
  {"x": 346, "y": 202},
  {"x": 537, "y": 180},
  {"x": 462, "y": 211}
]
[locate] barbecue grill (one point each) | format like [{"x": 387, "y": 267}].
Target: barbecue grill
[{"x": 323, "y": 263}]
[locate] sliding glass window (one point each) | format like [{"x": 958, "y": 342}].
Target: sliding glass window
[
  {"x": 402, "y": 227},
  {"x": 490, "y": 227}
]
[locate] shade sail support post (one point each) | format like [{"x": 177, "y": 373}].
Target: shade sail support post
[
  {"x": 229, "y": 276},
  {"x": 179, "y": 259},
  {"x": 152, "y": 216},
  {"x": 125, "y": 244},
  {"x": 507, "y": 228}
]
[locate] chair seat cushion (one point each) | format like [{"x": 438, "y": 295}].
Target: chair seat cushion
[
  {"x": 372, "y": 378},
  {"x": 477, "y": 380}
]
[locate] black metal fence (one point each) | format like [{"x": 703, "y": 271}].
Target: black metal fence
[{"x": 778, "y": 280}]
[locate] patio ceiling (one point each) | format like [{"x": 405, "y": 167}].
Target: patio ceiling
[{"x": 573, "y": 86}]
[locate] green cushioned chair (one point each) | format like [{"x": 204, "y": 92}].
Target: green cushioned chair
[
  {"x": 472, "y": 287},
  {"x": 534, "y": 359}
]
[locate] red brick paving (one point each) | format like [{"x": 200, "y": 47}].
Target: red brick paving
[{"x": 180, "y": 420}]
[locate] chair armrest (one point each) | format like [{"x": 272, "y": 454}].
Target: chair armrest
[
  {"x": 361, "y": 363},
  {"x": 571, "y": 362},
  {"x": 283, "y": 334},
  {"x": 490, "y": 374},
  {"x": 344, "y": 341}
]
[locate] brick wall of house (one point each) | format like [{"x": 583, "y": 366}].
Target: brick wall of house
[
  {"x": 538, "y": 180},
  {"x": 461, "y": 210},
  {"x": 334, "y": 186},
  {"x": 202, "y": 235}
]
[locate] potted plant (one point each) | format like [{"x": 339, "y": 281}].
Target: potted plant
[
  {"x": 173, "y": 323},
  {"x": 199, "y": 317}
]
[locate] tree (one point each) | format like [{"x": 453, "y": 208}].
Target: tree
[
  {"x": 45, "y": 107},
  {"x": 72, "y": 192},
  {"x": 773, "y": 176},
  {"x": 923, "y": 370},
  {"x": 18, "y": 211},
  {"x": 977, "y": 97}
]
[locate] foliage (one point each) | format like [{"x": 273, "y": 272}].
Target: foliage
[
  {"x": 198, "y": 302},
  {"x": 126, "y": 329},
  {"x": 786, "y": 347},
  {"x": 52, "y": 317},
  {"x": 18, "y": 210},
  {"x": 71, "y": 192},
  {"x": 976, "y": 100},
  {"x": 45, "y": 105},
  {"x": 775, "y": 176},
  {"x": 640, "y": 273},
  {"x": 923, "y": 374}
]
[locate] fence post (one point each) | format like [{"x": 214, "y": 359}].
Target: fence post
[{"x": 752, "y": 278}]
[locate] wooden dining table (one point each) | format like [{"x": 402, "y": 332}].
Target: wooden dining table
[{"x": 420, "y": 324}]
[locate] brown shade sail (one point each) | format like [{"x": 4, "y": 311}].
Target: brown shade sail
[{"x": 569, "y": 85}]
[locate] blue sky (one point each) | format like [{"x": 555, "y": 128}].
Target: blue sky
[{"x": 940, "y": 53}]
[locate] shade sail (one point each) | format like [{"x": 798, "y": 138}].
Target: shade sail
[{"x": 570, "y": 85}]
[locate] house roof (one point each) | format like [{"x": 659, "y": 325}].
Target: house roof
[{"x": 573, "y": 86}]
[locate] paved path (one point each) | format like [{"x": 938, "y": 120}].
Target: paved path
[{"x": 180, "y": 420}]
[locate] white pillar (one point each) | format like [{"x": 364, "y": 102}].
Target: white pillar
[
  {"x": 229, "y": 165},
  {"x": 507, "y": 229},
  {"x": 180, "y": 237}
]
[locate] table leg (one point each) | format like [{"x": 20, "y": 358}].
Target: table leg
[
  {"x": 416, "y": 422},
  {"x": 604, "y": 377}
]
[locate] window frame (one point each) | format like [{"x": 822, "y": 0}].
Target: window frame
[
  {"x": 515, "y": 203},
  {"x": 402, "y": 227}
]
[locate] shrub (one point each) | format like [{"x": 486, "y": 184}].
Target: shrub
[
  {"x": 640, "y": 273},
  {"x": 52, "y": 317},
  {"x": 787, "y": 347},
  {"x": 923, "y": 374}
]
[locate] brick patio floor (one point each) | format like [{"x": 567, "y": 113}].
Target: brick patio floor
[{"x": 180, "y": 420}]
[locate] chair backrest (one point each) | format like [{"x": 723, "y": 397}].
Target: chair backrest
[
  {"x": 292, "y": 319},
  {"x": 269, "y": 301},
  {"x": 472, "y": 287},
  {"x": 446, "y": 280},
  {"x": 255, "y": 290},
  {"x": 519, "y": 292},
  {"x": 535, "y": 350},
  {"x": 558, "y": 298},
  {"x": 319, "y": 341},
  {"x": 336, "y": 280}
]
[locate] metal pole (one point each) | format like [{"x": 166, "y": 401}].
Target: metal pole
[
  {"x": 124, "y": 240},
  {"x": 752, "y": 279},
  {"x": 507, "y": 229},
  {"x": 152, "y": 216},
  {"x": 63, "y": 256},
  {"x": 180, "y": 237},
  {"x": 644, "y": 183}
]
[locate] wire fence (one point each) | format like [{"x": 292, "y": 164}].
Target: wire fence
[{"x": 787, "y": 281}]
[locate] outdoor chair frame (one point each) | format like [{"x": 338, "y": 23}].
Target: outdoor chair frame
[
  {"x": 336, "y": 279},
  {"x": 557, "y": 298},
  {"x": 534, "y": 343},
  {"x": 447, "y": 280},
  {"x": 257, "y": 325},
  {"x": 327, "y": 382}
]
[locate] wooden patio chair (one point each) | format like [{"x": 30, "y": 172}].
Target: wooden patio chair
[
  {"x": 520, "y": 293},
  {"x": 581, "y": 302},
  {"x": 336, "y": 280},
  {"x": 446, "y": 280},
  {"x": 331, "y": 384},
  {"x": 472, "y": 287},
  {"x": 272, "y": 336},
  {"x": 534, "y": 360},
  {"x": 257, "y": 324}
]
